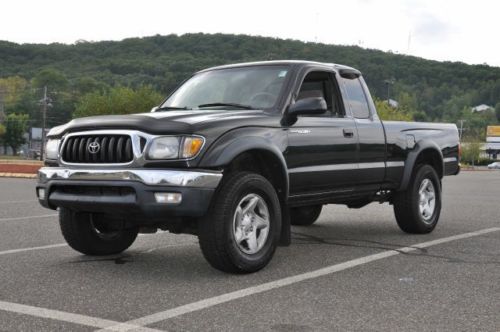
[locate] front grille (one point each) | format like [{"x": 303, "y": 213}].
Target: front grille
[{"x": 97, "y": 149}]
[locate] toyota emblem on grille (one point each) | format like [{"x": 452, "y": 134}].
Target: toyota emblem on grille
[{"x": 94, "y": 147}]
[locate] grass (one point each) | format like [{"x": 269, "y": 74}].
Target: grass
[{"x": 7, "y": 157}]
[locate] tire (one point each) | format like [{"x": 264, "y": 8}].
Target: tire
[
  {"x": 305, "y": 215},
  {"x": 410, "y": 216},
  {"x": 238, "y": 242},
  {"x": 83, "y": 235}
]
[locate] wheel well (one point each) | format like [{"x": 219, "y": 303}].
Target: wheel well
[
  {"x": 264, "y": 163},
  {"x": 433, "y": 158}
]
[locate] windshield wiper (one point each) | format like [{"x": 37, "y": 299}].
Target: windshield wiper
[
  {"x": 246, "y": 107},
  {"x": 165, "y": 108}
]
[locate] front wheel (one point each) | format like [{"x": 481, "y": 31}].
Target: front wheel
[
  {"x": 241, "y": 231},
  {"x": 417, "y": 209},
  {"x": 92, "y": 236}
]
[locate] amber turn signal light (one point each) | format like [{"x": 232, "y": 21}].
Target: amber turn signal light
[{"x": 191, "y": 146}]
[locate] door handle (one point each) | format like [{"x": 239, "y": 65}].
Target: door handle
[{"x": 348, "y": 133}]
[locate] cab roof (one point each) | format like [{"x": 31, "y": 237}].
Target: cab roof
[{"x": 335, "y": 66}]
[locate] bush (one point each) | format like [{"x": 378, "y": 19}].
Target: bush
[{"x": 119, "y": 100}]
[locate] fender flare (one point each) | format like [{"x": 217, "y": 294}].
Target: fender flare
[
  {"x": 412, "y": 157},
  {"x": 221, "y": 155}
]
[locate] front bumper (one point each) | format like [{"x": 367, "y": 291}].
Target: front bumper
[{"x": 126, "y": 191}]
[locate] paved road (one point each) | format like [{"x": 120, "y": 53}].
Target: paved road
[{"x": 347, "y": 273}]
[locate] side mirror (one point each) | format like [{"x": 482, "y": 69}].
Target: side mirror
[
  {"x": 154, "y": 109},
  {"x": 313, "y": 105}
]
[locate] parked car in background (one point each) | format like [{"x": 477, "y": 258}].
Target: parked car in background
[{"x": 495, "y": 165}]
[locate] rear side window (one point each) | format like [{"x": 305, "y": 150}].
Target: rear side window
[{"x": 356, "y": 98}]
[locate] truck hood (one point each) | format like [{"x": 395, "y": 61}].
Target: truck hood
[{"x": 168, "y": 122}]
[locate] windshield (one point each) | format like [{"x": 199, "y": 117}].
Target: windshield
[{"x": 255, "y": 87}]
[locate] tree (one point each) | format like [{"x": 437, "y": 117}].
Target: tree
[
  {"x": 11, "y": 89},
  {"x": 52, "y": 78},
  {"x": 497, "y": 111},
  {"x": 2, "y": 133},
  {"x": 15, "y": 128},
  {"x": 387, "y": 112},
  {"x": 118, "y": 100},
  {"x": 471, "y": 152}
]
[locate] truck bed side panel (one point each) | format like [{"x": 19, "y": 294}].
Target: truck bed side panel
[{"x": 405, "y": 138}]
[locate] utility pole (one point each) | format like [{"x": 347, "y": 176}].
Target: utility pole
[
  {"x": 45, "y": 103},
  {"x": 389, "y": 82},
  {"x": 461, "y": 129}
]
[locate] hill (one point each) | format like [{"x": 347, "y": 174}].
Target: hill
[{"x": 432, "y": 90}]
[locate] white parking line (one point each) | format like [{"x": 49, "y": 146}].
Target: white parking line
[
  {"x": 68, "y": 317},
  {"x": 29, "y": 217},
  {"x": 15, "y": 251},
  {"x": 213, "y": 301}
]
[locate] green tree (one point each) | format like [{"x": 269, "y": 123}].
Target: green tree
[
  {"x": 470, "y": 152},
  {"x": 15, "y": 128},
  {"x": 497, "y": 111},
  {"x": 387, "y": 112},
  {"x": 11, "y": 89},
  {"x": 475, "y": 124},
  {"x": 53, "y": 79},
  {"x": 2, "y": 134},
  {"x": 118, "y": 100}
]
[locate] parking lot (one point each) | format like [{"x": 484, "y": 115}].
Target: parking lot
[{"x": 352, "y": 270}]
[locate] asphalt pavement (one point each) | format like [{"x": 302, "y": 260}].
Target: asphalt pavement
[{"x": 353, "y": 270}]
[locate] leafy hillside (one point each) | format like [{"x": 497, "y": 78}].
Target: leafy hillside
[{"x": 431, "y": 90}]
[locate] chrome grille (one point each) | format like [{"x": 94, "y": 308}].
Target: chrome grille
[{"x": 98, "y": 149}]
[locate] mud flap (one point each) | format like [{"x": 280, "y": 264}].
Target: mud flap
[{"x": 286, "y": 232}]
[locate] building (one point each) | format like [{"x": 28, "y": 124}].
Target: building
[
  {"x": 492, "y": 146},
  {"x": 481, "y": 108}
]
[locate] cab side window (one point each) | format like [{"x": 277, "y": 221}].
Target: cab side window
[
  {"x": 321, "y": 84},
  {"x": 356, "y": 98}
]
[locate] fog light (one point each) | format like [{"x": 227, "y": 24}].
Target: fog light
[
  {"x": 41, "y": 193},
  {"x": 168, "y": 198}
]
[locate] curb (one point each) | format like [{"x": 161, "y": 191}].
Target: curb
[
  {"x": 17, "y": 175},
  {"x": 20, "y": 162}
]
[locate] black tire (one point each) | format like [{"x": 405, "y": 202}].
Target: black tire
[
  {"x": 407, "y": 203},
  {"x": 305, "y": 215},
  {"x": 215, "y": 231},
  {"x": 80, "y": 232}
]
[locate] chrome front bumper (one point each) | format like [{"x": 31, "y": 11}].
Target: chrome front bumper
[
  {"x": 130, "y": 192},
  {"x": 151, "y": 177}
]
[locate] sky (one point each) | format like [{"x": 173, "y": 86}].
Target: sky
[{"x": 465, "y": 31}]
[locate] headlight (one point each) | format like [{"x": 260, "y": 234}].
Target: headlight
[
  {"x": 52, "y": 149},
  {"x": 175, "y": 147}
]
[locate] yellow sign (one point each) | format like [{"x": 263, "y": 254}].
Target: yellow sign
[{"x": 493, "y": 131}]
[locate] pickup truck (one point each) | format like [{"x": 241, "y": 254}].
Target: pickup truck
[{"x": 236, "y": 155}]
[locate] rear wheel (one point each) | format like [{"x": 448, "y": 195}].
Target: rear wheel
[
  {"x": 241, "y": 231},
  {"x": 417, "y": 209},
  {"x": 305, "y": 215},
  {"x": 92, "y": 236}
]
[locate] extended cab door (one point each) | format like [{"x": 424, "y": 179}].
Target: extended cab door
[
  {"x": 322, "y": 149},
  {"x": 371, "y": 135}
]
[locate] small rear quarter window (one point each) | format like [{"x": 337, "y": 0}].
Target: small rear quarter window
[{"x": 356, "y": 98}]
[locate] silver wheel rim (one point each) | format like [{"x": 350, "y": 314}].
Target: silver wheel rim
[
  {"x": 427, "y": 200},
  {"x": 251, "y": 223}
]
